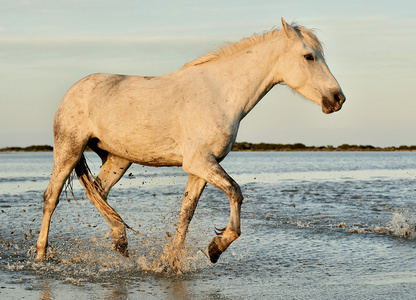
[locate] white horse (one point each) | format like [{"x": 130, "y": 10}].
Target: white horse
[{"x": 187, "y": 118}]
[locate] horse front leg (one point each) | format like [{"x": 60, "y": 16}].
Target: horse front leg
[
  {"x": 194, "y": 188},
  {"x": 211, "y": 171},
  {"x": 232, "y": 231}
]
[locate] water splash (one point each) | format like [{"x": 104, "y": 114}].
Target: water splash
[
  {"x": 403, "y": 225},
  {"x": 94, "y": 260},
  {"x": 175, "y": 261}
]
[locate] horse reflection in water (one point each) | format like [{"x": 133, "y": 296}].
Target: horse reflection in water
[{"x": 187, "y": 118}]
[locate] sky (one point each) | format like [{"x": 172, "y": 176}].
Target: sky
[{"x": 47, "y": 45}]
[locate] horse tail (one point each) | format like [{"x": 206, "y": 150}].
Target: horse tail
[{"x": 95, "y": 192}]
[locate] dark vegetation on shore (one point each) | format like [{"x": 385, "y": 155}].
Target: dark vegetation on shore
[
  {"x": 34, "y": 148},
  {"x": 301, "y": 147},
  {"x": 244, "y": 146}
]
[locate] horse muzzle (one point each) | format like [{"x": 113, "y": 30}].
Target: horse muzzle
[{"x": 334, "y": 103}]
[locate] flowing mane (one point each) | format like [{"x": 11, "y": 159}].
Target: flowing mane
[{"x": 231, "y": 48}]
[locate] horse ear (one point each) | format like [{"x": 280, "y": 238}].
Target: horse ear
[{"x": 290, "y": 32}]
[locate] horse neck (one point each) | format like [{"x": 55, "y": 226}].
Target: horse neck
[{"x": 247, "y": 76}]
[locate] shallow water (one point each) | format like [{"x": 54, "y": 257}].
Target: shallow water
[{"x": 314, "y": 225}]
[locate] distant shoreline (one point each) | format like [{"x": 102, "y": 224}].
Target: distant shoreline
[
  {"x": 301, "y": 147},
  {"x": 33, "y": 148},
  {"x": 245, "y": 146}
]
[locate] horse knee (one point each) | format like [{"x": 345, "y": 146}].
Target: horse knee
[
  {"x": 240, "y": 199},
  {"x": 235, "y": 193}
]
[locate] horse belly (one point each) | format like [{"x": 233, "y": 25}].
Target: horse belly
[{"x": 145, "y": 151}]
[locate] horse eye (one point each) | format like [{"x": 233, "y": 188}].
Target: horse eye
[{"x": 309, "y": 57}]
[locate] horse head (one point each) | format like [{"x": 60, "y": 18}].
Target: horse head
[{"x": 303, "y": 68}]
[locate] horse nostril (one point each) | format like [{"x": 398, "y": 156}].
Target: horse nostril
[{"x": 340, "y": 98}]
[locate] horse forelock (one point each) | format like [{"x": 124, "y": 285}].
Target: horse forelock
[
  {"x": 308, "y": 35},
  {"x": 232, "y": 48}
]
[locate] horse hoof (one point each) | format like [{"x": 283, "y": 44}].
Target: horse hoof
[
  {"x": 121, "y": 247},
  {"x": 214, "y": 251},
  {"x": 39, "y": 258}
]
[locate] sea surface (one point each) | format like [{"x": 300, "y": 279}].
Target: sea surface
[{"x": 315, "y": 225}]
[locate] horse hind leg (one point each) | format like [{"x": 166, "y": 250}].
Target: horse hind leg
[
  {"x": 112, "y": 170},
  {"x": 62, "y": 168}
]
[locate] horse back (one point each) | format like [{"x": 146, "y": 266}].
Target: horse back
[{"x": 145, "y": 119}]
